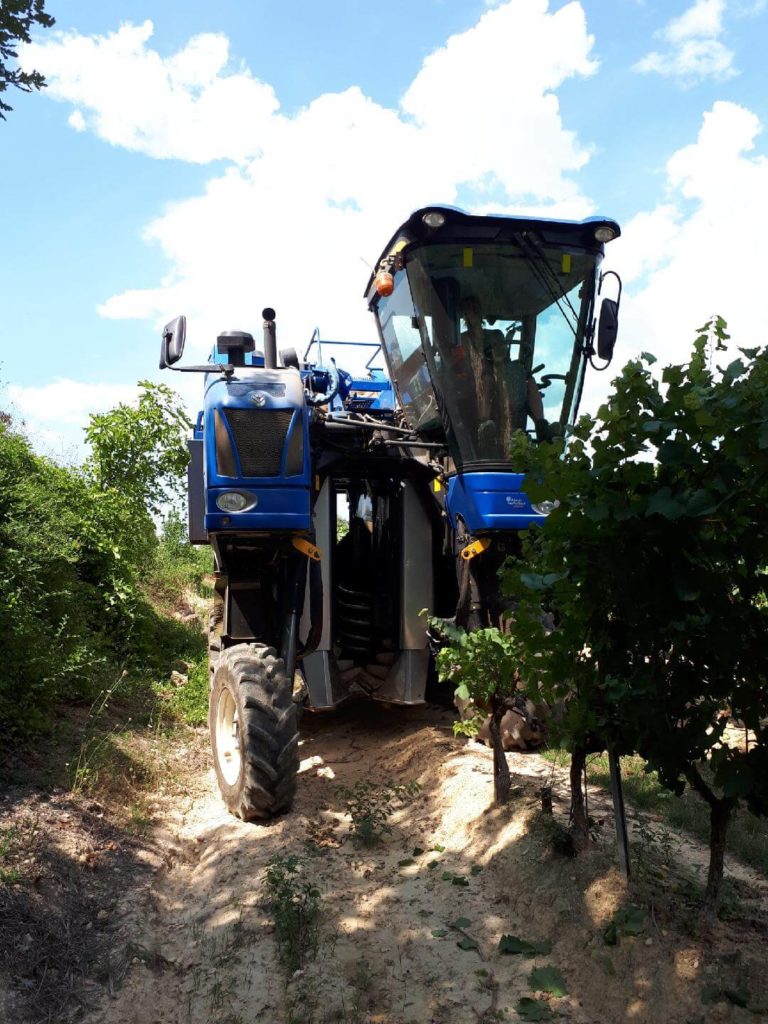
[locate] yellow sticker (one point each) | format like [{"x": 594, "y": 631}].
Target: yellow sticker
[
  {"x": 469, "y": 255},
  {"x": 437, "y": 486},
  {"x": 566, "y": 265}
]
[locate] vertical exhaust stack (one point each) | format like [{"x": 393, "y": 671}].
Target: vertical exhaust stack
[{"x": 270, "y": 338}]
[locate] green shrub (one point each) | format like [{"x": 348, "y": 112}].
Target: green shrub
[
  {"x": 76, "y": 546},
  {"x": 177, "y": 565}
]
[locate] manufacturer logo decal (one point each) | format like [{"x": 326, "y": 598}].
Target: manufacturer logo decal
[
  {"x": 515, "y": 501},
  {"x": 258, "y": 398}
]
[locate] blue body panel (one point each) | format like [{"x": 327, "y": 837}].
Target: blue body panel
[
  {"x": 282, "y": 501},
  {"x": 277, "y": 508},
  {"x": 490, "y": 501}
]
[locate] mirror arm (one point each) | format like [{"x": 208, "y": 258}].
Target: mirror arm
[{"x": 610, "y": 273}]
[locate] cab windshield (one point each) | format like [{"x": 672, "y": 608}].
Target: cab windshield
[{"x": 486, "y": 340}]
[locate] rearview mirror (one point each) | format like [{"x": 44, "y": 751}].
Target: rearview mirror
[
  {"x": 607, "y": 328},
  {"x": 172, "y": 345}
]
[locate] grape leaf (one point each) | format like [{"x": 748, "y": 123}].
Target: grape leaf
[
  {"x": 511, "y": 944},
  {"x": 547, "y": 979},
  {"x": 533, "y": 1009}
]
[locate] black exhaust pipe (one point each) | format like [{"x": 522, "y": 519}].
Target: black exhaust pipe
[{"x": 270, "y": 338}]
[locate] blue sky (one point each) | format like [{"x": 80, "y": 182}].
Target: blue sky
[{"x": 229, "y": 156}]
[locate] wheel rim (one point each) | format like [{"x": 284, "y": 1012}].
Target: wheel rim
[{"x": 228, "y": 737}]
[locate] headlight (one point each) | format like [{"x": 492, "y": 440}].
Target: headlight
[
  {"x": 235, "y": 501},
  {"x": 543, "y": 508},
  {"x": 605, "y": 233}
]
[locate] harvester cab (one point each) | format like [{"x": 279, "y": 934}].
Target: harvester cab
[{"x": 486, "y": 327}]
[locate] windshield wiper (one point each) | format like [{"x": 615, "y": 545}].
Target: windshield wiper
[{"x": 546, "y": 276}]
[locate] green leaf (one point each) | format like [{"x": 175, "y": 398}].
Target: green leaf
[
  {"x": 459, "y": 880},
  {"x": 663, "y": 504},
  {"x": 611, "y": 934},
  {"x": 417, "y": 851},
  {"x": 406, "y": 862},
  {"x": 461, "y": 922},
  {"x": 465, "y": 942},
  {"x": 439, "y": 933},
  {"x": 475, "y": 870},
  {"x": 547, "y": 979},
  {"x": 446, "y": 876},
  {"x": 733, "y": 370},
  {"x": 512, "y": 944},
  {"x": 462, "y": 692},
  {"x": 432, "y": 865},
  {"x": 648, "y": 357},
  {"x": 701, "y": 503},
  {"x": 737, "y": 996},
  {"x": 533, "y": 1009},
  {"x": 630, "y": 920},
  {"x": 438, "y": 848}
]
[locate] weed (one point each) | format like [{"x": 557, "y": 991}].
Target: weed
[
  {"x": 370, "y": 805},
  {"x": 190, "y": 701},
  {"x": 747, "y": 834},
  {"x": 93, "y": 747},
  {"x": 469, "y": 726},
  {"x": 295, "y": 906},
  {"x": 8, "y": 874}
]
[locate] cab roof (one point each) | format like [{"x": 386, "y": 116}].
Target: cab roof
[{"x": 459, "y": 227}]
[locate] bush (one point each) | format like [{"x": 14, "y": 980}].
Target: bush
[
  {"x": 68, "y": 559},
  {"x": 177, "y": 565},
  {"x": 75, "y": 545}
]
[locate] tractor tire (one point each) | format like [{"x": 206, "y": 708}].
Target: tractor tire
[{"x": 254, "y": 732}]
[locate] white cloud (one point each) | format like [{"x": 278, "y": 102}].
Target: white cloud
[
  {"x": 77, "y": 121},
  {"x": 190, "y": 105},
  {"x": 306, "y": 197},
  {"x": 68, "y": 401},
  {"x": 694, "y": 52},
  {"x": 55, "y": 414},
  {"x": 703, "y": 20},
  {"x": 683, "y": 265}
]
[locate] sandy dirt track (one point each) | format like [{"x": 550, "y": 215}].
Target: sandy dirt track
[{"x": 199, "y": 943}]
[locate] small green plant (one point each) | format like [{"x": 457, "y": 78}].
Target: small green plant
[
  {"x": 190, "y": 701},
  {"x": 8, "y": 874},
  {"x": 482, "y": 665},
  {"x": 295, "y": 905},
  {"x": 469, "y": 726},
  {"x": 628, "y": 920},
  {"x": 95, "y": 745},
  {"x": 370, "y": 805}
]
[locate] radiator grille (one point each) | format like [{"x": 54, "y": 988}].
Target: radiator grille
[{"x": 259, "y": 438}]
